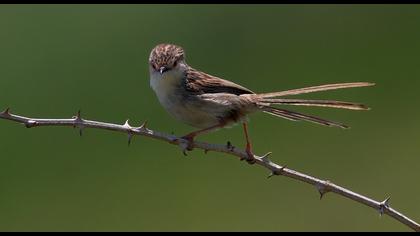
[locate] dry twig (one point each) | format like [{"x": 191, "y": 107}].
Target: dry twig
[{"x": 323, "y": 186}]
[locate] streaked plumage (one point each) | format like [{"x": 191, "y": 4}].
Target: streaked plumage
[{"x": 205, "y": 101}]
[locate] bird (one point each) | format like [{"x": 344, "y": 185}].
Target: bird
[{"x": 209, "y": 103}]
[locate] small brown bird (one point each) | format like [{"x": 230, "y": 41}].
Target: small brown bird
[{"x": 209, "y": 103}]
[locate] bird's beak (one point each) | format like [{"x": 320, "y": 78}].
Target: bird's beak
[{"x": 162, "y": 69}]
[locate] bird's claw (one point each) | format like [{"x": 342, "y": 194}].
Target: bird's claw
[
  {"x": 186, "y": 144},
  {"x": 251, "y": 159},
  {"x": 190, "y": 141}
]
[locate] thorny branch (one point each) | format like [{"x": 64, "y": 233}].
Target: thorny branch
[{"x": 323, "y": 186}]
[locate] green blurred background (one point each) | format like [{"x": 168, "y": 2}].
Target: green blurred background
[{"x": 56, "y": 59}]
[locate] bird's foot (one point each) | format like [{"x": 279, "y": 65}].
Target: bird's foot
[
  {"x": 189, "y": 143},
  {"x": 250, "y": 159}
]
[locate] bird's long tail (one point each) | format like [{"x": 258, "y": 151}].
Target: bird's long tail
[{"x": 265, "y": 101}]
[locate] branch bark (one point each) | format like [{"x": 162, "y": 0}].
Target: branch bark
[{"x": 323, "y": 186}]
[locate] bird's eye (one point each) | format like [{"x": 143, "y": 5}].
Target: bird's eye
[{"x": 175, "y": 63}]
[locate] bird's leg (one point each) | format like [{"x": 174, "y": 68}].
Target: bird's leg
[
  {"x": 190, "y": 137},
  {"x": 251, "y": 159}
]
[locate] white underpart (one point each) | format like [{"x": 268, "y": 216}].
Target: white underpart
[{"x": 169, "y": 90}]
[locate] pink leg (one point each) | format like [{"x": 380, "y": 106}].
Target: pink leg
[{"x": 251, "y": 159}]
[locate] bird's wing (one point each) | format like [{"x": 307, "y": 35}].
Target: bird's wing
[{"x": 200, "y": 82}]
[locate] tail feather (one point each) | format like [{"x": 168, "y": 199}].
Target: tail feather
[
  {"x": 295, "y": 116},
  {"x": 315, "y": 89},
  {"x": 266, "y": 99},
  {"x": 318, "y": 103}
]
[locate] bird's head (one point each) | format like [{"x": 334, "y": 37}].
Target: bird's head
[{"x": 165, "y": 58}]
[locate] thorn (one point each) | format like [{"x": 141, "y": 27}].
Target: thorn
[
  {"x": 126, "y": 125},
  {"x": 78, "y": 116},
  {"x": 265, "y": 157},
  {"x": 78, "y": 122},
  {"x": 129, "y": 138},
  {"x": 129, "y": 130},
  {"x": 271, "y": 174},
  {"x": 384, "y": 204},
  {"x": 386, "y": 201},
  {"x": 143, "y": 126},
  {"x": 321, "y": 190},
  {"x": 229, "y": 146},
  {"x": 30, "y": 123},
  {"x": 6, "y": 112}
]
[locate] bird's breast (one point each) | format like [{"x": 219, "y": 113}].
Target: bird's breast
[{"x": 180, "y": 104}]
